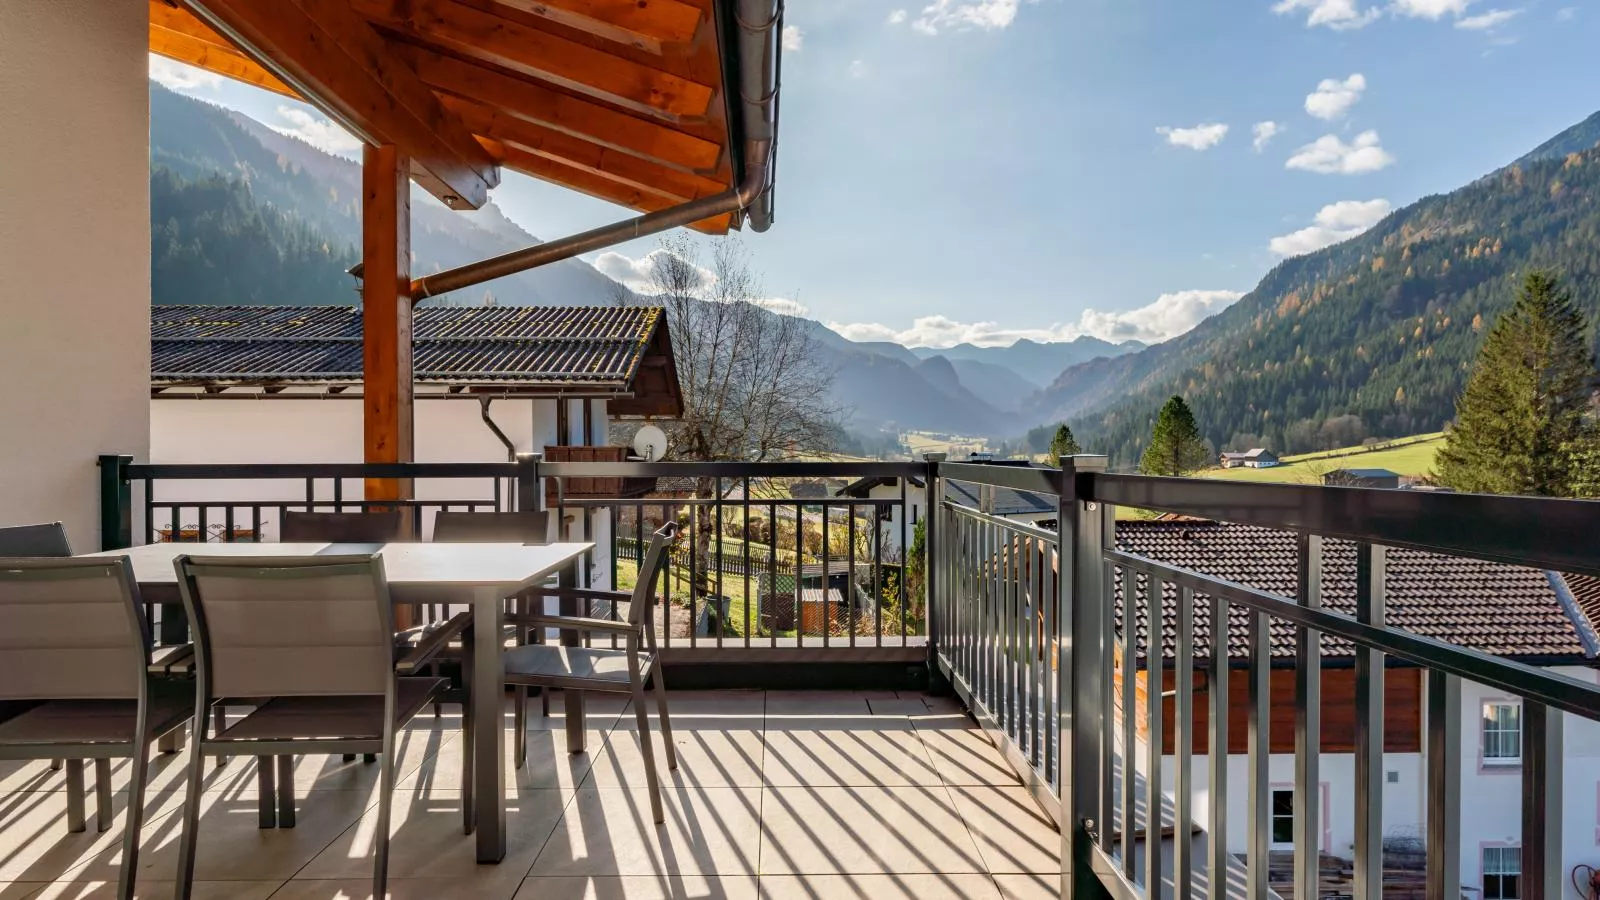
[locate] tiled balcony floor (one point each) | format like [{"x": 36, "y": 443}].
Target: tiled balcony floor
[{"x": 778, "y": 795}]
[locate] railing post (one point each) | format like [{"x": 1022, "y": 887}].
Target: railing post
[
  {"x": 529, "y": 498},
  {"x": 1543, "y": 744},
  {"x": 1084, "y": 687},
  {"x": 931, "y": 561},
  {"x": 116, "y": 502}
]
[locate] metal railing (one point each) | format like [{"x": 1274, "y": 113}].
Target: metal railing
[
  {"x": 1030, "y": 631},
  {"x": 762, "y": 570}
]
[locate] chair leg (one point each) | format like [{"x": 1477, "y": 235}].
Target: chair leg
[
  {"x": 55, "y": 765},
  {"x": 266, "y": 794},
  {"x": 660, "y": 690},
  {"x": 380, "y": 862},
  {"x": 75, "y": 816},
  {"x": 369, "y": 758},
  {"x": 219, "y": 724},
  {"x": 135, "y": 820},
  {"x": 286, "y": 791},
  {"x": 468, "y": 804},
  {"x": 643, "y": 716},
  {"x": 102, "y": 794},
  {"x": 349, "y": 757},
  {"x": 519, "y": 725},
  {"x": 191, "y": 820}
]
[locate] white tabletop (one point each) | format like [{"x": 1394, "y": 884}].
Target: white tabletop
[{"x": 466, "y": 565}]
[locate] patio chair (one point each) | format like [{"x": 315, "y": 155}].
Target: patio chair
[
  {"x": 341, "y": 693},
  {"x": 76, "y": 650},
  {"x": 47, "y": 539},
  {"x": 607, "y": 670}
]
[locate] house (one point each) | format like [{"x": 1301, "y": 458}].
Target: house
[
  {"x": 1539, "y": 618},
  {"x": 1366, "y": 478},
  {"x": 902, "y": 506},
  {"x": 1022, "y": 506},
  {"x": 1250, "y": 459},
  {"x": 283, "y": 384}
]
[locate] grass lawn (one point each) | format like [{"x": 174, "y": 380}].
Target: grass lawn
[{"x": 1413, "y": 456}]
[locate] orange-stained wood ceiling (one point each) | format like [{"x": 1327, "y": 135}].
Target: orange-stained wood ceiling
[{"x": 619, "y": 99}]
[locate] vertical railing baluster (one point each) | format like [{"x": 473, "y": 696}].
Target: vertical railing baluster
[
  {"x": 1105, "y": 689},
  {"x": 1444, "y": 786},
  {"x": 1154, "y": 682},
  {"x": 1542, "y": 748},
  {"x": 1308, "y": 724},
  {"x": 1258, "y": 819},
  {"x": 850, "y": 563},
  {"x": 1130, "y": 722},
  {"x": 1028, "y": 557},
  {"x": 1371, "y": 566},
  {"x": 1217, "y": 752},
  {"x": 1085, "y": 667},
  {"x": 722, "y": 593},
  {"x": 1183, "y": 749},
  {"x": 745, "y": 540}
]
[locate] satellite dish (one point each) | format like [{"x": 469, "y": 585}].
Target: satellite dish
[{"x": 650, "y": 443}]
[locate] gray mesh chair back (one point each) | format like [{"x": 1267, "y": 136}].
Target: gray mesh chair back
[
  {"x": 70, "y": 629},
  {"x": 342, "y": 528},
  {"x": 47, "y": 539},
  {"x": 73, "y": 642},
  {"x": 520, "y": 527},
  {"x": 306, "y": 626},
  {"x": 650, "y": 569}
]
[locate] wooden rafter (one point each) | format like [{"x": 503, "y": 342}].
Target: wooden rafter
[
  {"x": 563, "y": 112},
  {"x": 325, "y": 50},
  {"x": 176, "y": 34},
  {"x": 541, "y": 54},
  {"x": 600, "y": 187},
  {"x": 646, "y": 24}
]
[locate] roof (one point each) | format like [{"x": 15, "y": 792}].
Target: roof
[
  {"x": 634, "y": 103},
  {"x": 1007, "y": 501},
  {"x": 865, "y": 486},
  {"x": 528, "y": 351},
  {"x": 1257, "y": 453},
  {"x": 1508, "y": 611},
  {"x": 1366, "y": 473}
]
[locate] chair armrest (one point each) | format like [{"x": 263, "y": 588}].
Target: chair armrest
[
  {"x": 576, "y": 623},
  {"x": 581, "y": 594},
  {"x": 431, "y": 642},
  {"x": 172, "y": 660}
]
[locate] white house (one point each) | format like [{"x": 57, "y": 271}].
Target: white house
[
  {"x": 283, "y": 385},
  {"x": 1539, "y": 618},
  {"x": 894, "y": 518},
  {"x": 1257, "y": 458}
]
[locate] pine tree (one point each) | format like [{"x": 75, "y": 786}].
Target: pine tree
[
  {"x": 1063, "y": 444},
  {"x": 1521, "y": 415},
  {"x": 1176, "y": 447}
]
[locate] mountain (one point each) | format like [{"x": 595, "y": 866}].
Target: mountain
[
  {"x": 1381, "y": 327},
  {"x": 1583, "y": 136},
  {"x": 1034, "y": 361},
  {"x": 998, "y": 386},
  {"x": 292, "y": 181}
]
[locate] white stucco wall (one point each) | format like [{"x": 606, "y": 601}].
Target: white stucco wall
[{"x": 75, "y": 247}]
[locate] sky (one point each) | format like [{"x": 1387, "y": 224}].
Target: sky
[{"x": 986, "y": 170}]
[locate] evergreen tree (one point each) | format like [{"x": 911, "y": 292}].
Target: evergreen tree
[
  {"x": 1584, "y": 457},
  {"x": 1176, "y": 447},
  {"x": 1521, "y": 416},
  {"x": 1063, "y": 444}
]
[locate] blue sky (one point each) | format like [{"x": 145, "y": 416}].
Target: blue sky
[{"x": 988, "y": 169}]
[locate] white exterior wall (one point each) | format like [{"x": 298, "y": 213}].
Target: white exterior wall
[
  {"x": 914, "y": 511},
  {"x": 1491, "y": 796},
  {"x": 329, "y": 431},
  {"x": 75, "y": 247}
]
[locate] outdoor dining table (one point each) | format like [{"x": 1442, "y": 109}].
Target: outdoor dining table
[{"x": 481, "y": 575}]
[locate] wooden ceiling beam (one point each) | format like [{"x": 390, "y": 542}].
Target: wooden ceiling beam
[
  {"x": 645, "y": 24},
  {"x": 526, "y": 49},
  {"x": 226, "y": 62},
  {"x": 565, "y": 113},
  {"x": 333, "y": 57},
  {"x": 587, "y": 155},
  {"x": 600, "y": 187},
  {"x": 164, "y": 14}
]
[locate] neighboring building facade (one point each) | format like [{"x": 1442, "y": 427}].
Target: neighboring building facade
[
  {"x": 1365, "y": 478},
  {"x": 1257, "y": 458},
  {"x": 1539, "y": 618},
  {"x": 897, "y": 520},
  {"x": 283, "y": 385}
]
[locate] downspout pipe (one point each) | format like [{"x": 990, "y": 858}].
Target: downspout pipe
[
  {"x": 759, "y": 27},
  {"x": 511, "y": 449}
]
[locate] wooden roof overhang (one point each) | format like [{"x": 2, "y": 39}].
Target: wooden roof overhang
[{"x": 631, "y": 101}]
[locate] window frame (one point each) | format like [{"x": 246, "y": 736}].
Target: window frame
[
  {"x": 1492, "y": 724},
  {"x": 1502, "y": 853}
]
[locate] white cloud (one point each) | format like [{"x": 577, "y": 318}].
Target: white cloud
[
  {"x": 962, "y": 15},
  {"x": 315, "y": 129},
  {"x": 1264, "y": 132},
  {"x": 1340, "y": 15},
  {"x": 897, "y": 17},
  {"x": 793, "y": 38},
  {"x": 1433, "y": 10},
  {"x": 179, "y": 77},
  {"x": 1566, "y": 13},
  {"x": 1329, "y": 155},
  {"x": 1333, "y": 98},
  {"x": 1167, "y": 317},
  {"x": 1488, "y": 21},
  {"x": 858, "y": 69},
  {"x": 638, "y": 274},
  {"x": 783, "y": 306},
  {"x": 1334, "y": 223},
  {"x": 1200, "y": 137}
]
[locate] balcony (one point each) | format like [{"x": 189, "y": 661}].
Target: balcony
[{"x": 929, "y": 742}]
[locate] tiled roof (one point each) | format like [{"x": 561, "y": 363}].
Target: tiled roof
[
  {"x": 502, "y": 345},
  {"x": 1504, "y": 610},
  {"x": 1007, "y": 501}
]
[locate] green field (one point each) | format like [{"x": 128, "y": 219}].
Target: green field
[{"x": 1404, "y": 456}]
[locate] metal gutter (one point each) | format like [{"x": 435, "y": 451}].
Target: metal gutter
[
  {"x": 758, "y": 48},
  {"x": 483, "y": 408},
  {"x": 1580, "y": 622}
]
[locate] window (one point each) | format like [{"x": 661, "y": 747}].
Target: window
[
  {"x": 1502, "y": 733},
  {"x": 1502, "y": 873},
  {"x": 1283, "y": 816}
]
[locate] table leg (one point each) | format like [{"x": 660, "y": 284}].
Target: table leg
[
  {"x": 570, "y": 638},
  {"x": 488, "y": 718}
]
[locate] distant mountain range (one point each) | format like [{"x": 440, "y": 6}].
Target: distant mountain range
[{"x": 242, "y": 214}]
